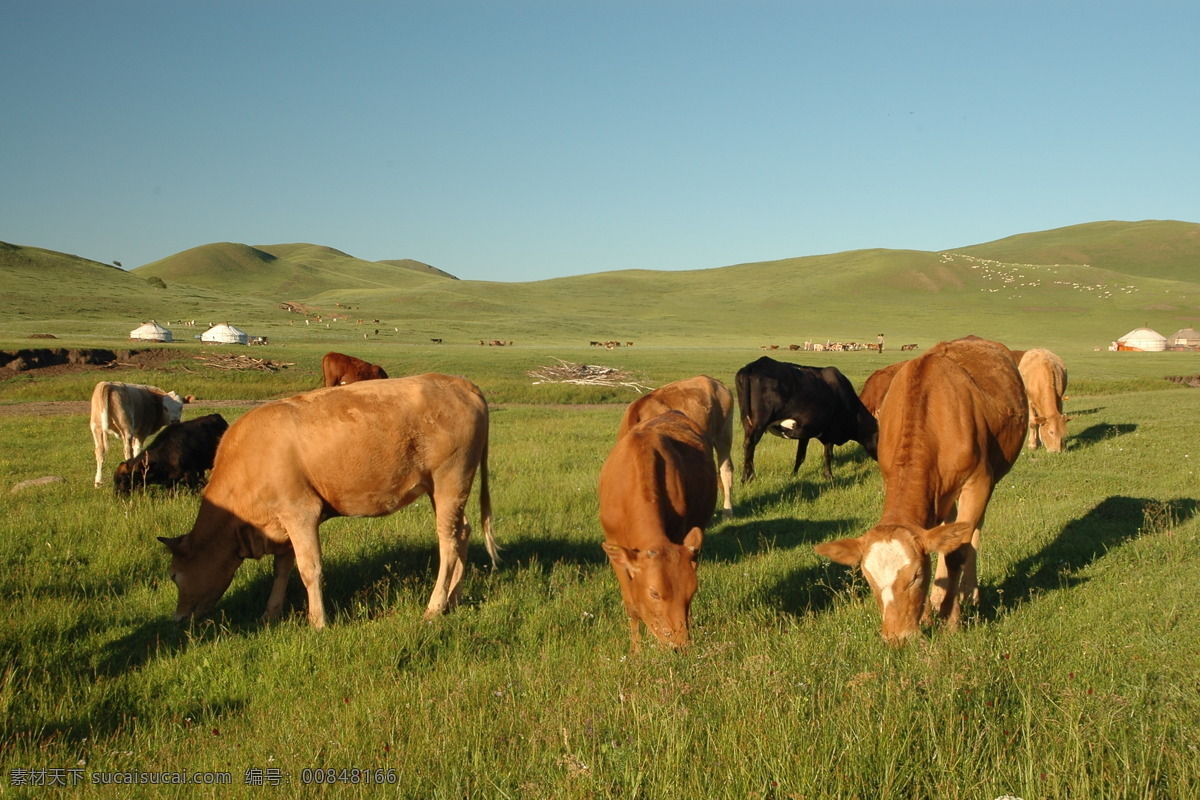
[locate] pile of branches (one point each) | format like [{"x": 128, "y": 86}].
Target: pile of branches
[
  {"x": 231, "y": 361},
  {"x": 585, "y": 375}
]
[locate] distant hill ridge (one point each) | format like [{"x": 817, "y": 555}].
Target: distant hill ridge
[{"x": 1086, "y": 283}]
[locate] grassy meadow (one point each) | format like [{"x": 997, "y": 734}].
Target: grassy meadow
[{"x": 1078, "y": 675}]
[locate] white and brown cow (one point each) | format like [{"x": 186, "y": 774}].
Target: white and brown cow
[
  {"x": 658, "y": 490},
  {"x": 131, "y": 412},
  {"x": 363, "y": 450},
  {"x": 952, "y": 426},
  {"x": 708, "y": 403},
  {"x": 1045, "y": 378}
]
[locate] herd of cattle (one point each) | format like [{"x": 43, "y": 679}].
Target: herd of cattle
[{"x": 944, "y": 428}]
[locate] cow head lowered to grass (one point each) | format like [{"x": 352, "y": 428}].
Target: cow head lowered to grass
[
  {"x": 658, "y": 490},
  {"x": 363, "y": 450}
]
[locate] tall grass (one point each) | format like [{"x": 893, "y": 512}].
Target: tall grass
[{"x": 1075, "y": 677}]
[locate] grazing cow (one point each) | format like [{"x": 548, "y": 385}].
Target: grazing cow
[
  {"x": 363, "y": 450},
  {"x": 339, "y": 369},
  {"x": 875, "y": 388},
  {"x": 706, "y": 402},
  {"x": 131, "y": 412},
  {"x": 801, "y": 403},
  {"x": 658, "y": 489},
  {"x": 951, "y": 428},
  {"x": 1045, "y": 378},
  {"x": 181, "y": 453}
]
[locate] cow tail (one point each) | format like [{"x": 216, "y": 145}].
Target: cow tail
[{"x": 485, "y": 507}]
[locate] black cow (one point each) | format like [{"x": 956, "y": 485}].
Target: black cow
[
  {"x": 181, "y": 453},
  {"x": 801, "y": 403}
]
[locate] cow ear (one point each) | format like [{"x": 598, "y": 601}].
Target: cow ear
[
  {"x": 173, "y": 543},
  {"x": 843, "y": 551},
  {"x": 947, "y": 538},
  {"x": 694, "y": 540},
  {"x": 621, "y": 556},
  {"x": 1067, "y": 419}
]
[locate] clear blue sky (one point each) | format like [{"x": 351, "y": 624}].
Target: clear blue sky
[{"x": 506, "y": 140}]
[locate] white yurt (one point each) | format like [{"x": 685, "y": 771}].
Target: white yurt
[
  {"x": 151, "y": 332},
  {"x": 224, "y": 334},
  {"x": 1185, "y": 338},
  {"x": 1144, "y": 340}
]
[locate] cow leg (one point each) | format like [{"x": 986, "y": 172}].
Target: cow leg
[
  {"x": 283, "y": 570},
  {"x": 101, "y": 440},
  {"x": 453, "y": 533},
  {"x": 726, "y": 472},
  {"x": 752, "y": 436},
  {"x": 828, "y": 462},
  {"x": 957, "y": 575},
  {"x": 306, "y": 553},
  {"x": 1032, "y": 442},
  {"x": 801, "y": 451},
  {"x": 723, "y": 445}
]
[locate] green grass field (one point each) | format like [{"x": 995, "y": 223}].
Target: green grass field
[{"x": 1076, "y": 677}]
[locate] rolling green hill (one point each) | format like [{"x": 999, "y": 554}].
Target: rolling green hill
[
  {"x": 1149, "y": 249},
  {"x": 1080, "y": 287},
  {"x": 44, "y": 291},
  {"x": 282, "y": 273}
]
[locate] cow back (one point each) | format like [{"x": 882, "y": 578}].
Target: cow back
[
  {"x": 875, "y": 388},
  {"x": 704, "y": 400},
  {"x": 658, "y": 483},
  {"x": 339, "y": 369},
  {"x": 365, "y": 449},
  {"x": 1045, "y": 377},
  {"x": 959, "y": 404}
]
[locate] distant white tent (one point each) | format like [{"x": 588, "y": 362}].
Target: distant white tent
[
  {"x": 151, "y": 332},
  {"x": 1143, "y": 339},
  {"x": 224, "y": 334},
  {"x": 1184, "y": 337}
]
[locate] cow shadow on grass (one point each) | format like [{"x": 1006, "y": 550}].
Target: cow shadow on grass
[
  {"x": 1081, "y": 542},
  {"x": 1095, "y": 434},
  {"x": 803, "y": 591},
  {"x": 735, "y": 541},
  {"x": 806, "y": 486}
]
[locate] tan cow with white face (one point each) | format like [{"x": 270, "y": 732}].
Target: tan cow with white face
[
  {"x": 363, "y": 450},
  {"x": 706, "y": 402},
  {"x": 658, "y": 490},
  {"x": 1045, "y": 378},
  {"x": 952, "y": 426}
]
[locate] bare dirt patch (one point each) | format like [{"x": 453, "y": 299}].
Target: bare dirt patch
[{"x": 50, "y": 362}]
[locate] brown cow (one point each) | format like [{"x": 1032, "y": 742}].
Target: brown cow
[
  {"x": 364, "y": 450},
  {"x": 951, "y": 428},
  {"x": 339, "y": 369},
  {"x": 875, "y": 388},
  {"x": 131, "y": 412},
  {"x": 658, "y": 490},
  {"x": 1045, "y": 378},
  {"x": 706, "y": 402}
]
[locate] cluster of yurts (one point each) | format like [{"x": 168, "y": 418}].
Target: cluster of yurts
[
  {"x": 223, "y": 333},
  {"x": 1148, "y": 340}
]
